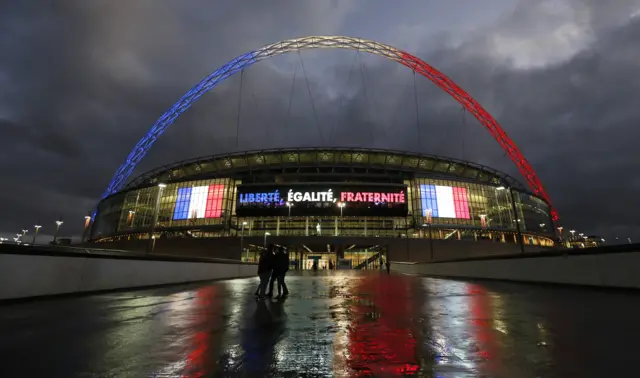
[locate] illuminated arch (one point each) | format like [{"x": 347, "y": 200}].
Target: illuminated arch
[{"x": 246, "y": 60}]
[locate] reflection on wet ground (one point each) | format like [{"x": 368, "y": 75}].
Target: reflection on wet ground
[{"x": 340, "y": 324}]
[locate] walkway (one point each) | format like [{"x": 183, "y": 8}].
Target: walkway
[{"x": 339, "y": 324}]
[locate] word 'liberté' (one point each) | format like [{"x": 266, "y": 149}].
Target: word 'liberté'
[{"x": 260, "y": 197}]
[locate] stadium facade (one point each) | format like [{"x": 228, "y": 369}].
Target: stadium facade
[{"x": 332, "y": 192}]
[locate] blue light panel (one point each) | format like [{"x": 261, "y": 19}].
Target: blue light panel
[
  {"x": 182, "y": 204},
  {"x": 429, "y": 199}
]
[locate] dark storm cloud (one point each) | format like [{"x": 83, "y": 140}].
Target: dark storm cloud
[{"x": 86, "y": 79}]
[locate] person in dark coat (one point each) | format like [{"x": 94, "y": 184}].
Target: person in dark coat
[
  {"x": 275, "y": 272},
  {"x": 283, "y": 268},
  {"x": 265, "y": 268},
  {"x": 280, "y": 268}
]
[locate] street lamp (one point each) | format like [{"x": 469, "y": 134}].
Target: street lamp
[
  {"x": 289, "y": 205},
  {"x": 265, "y": 239},
  {"x": 341, "y": 205},
  {"x": 428, "y": 220},
  {"x": 242, "y": 241},
  {"x": 87, "y": 223},
  {"x": 516, "y": 216},
  {"x": 37, "y": 227},
  {"x": 58, "y": 224},
  {"x": 152, "y": 241}
]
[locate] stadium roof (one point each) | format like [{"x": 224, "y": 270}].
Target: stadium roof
[{"x": 261, "y": 160}]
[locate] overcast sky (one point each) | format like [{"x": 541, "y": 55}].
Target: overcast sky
[{"x": 81, "y": 81}]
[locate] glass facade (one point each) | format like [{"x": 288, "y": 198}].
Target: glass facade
[
  {"x": 179, "y": 205},
  {"x": 467, "y": 204},
  {"x": 437, "y": 208}
]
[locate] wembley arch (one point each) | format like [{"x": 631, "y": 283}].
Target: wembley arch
[{"x": 316, "y": 42}]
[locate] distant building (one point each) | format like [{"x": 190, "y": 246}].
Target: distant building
[{"x": 586, "y": 241}]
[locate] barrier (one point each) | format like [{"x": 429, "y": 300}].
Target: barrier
[
  {"x": 33, "y": 274},
  {"x": 602, "y": 268}
]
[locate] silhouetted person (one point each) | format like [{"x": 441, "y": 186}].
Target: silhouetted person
[
  {"x": 388, "y": 264},
  {"x": 283, "y": 268},
  {"x": 275, "y": 272},
  {"x": 280, "y": 268},
  {"x": 265, "y": 267}
]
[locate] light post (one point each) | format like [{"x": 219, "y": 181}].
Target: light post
[
  {"x": 265, "y": 239},
  {"x": 242, "y": 241},
  {"x": 289, "y": 205},
  {"x": 87, "y": 222},
  {"x": 517, "y": 218},
  {"x": 37, "y": 227},
  {"x": 428, "y": 220},
  {"x": 24, "y": 232},
  {"x": 58, "y": 224},
  {"x": 156, "y": 209},
  {"x": 341, "y": 205},
  {"x": 573, "y": 233}
]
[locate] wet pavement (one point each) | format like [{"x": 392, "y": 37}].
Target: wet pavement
[{"x": 338, "y": 324}]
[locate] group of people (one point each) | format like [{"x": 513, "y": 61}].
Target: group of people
[{"x": 273, "y": 266}]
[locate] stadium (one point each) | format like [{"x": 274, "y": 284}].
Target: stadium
[
  {"x": 354, "y": 207},
  {"x": 354, "y": 199}
]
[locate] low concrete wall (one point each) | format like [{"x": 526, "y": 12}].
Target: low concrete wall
[
  {"x": 614, "y": 269},
  {"x": 29, "y": 275},
  {"x": 399, "y": 249},
  {"x": 222, "y": 248}
]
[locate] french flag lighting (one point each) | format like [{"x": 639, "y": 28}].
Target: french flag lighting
[
  {"x": 199, "y": 202},
  {"x": 444, "y": 201}
]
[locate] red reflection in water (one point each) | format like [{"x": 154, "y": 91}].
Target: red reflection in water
[
  {"x": 380, "y": 337},
  {"x": 482, "y": 320},
  {"x": 205, "y": 317}
]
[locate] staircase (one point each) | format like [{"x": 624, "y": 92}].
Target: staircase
[{"x": 367, "y": 261}]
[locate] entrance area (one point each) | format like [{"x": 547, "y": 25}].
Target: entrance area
[{"x": 328, "y": 257}]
